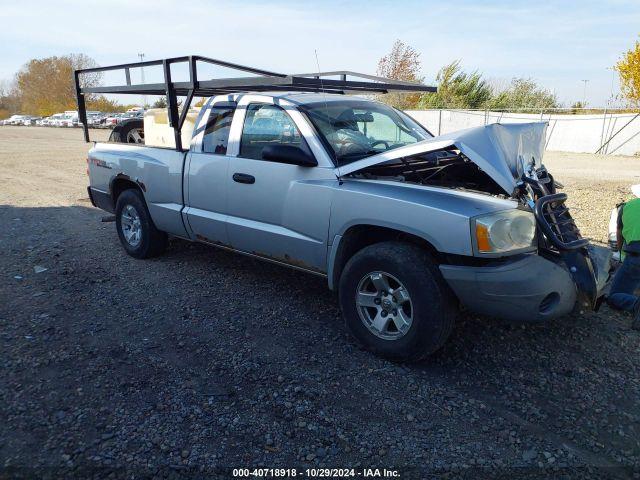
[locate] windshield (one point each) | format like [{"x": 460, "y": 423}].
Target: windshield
[{"x": 356, "y": 129}]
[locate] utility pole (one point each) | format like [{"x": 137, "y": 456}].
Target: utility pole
[
  {"x": 144, "y": 97},
  {"x": 584, "y": 96}
]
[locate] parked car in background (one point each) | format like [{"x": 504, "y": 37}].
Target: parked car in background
[
  {"x": 64, "y": 120},
  {"x": 113, "y": 120},
  {"x": 101, "y": 121},
  {"x": 53, "y": 120},
  {"x": 72, "y": 118},
  {"x": 29, "y": 121},
  {"x": 93, "y": 118},
  {"x": 134, "y": 114},
  {"x": 56, "y": 120},
  {"x": 14, "y": 120}
]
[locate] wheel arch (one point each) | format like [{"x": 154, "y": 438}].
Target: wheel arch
[
  {"x": 122, "y": 182},
  {"x": 359, "y": 236}
]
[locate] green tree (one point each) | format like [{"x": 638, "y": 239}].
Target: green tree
[
  {"x": 160, "y": 103},
  {"x": 522, "y": 94},
  {"x": 458, "y": 89},
  {"x": 577, "y": 106},
  {"x": 402, "y": 63},
  {"x": 628, "y": 68},
  {"x": 103, "y": 104}
]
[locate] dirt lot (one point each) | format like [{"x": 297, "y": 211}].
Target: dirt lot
[{"x": 201, "y": 361}]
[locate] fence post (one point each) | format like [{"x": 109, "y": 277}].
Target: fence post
[
  {"x": 439, "y": 121},
  {"x": 604, "y": 121}
]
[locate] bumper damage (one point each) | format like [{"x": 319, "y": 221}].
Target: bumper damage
[{"x": 532, "y": 288}]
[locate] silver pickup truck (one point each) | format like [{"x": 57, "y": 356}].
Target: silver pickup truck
[{"x": 405, "y": 226}]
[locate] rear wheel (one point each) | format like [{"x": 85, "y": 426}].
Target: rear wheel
[
  {"x": 395, "y": 301},
  {"x": 128, "y": 131},
  {"x": 137, "y": 233}
]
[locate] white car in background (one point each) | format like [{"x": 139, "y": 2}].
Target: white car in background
[
  {"x": 14, "y": 120},
  {"x": 112, "y": 120},
  {"x": 64, "y": 120},
  {"x": 29, "y": 121},
  {"x": 72, "y": 118},
  {"x": 94, "y": 118},
  {"x": 53, "y": 120}
]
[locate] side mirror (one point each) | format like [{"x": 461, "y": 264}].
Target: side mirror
[{"x": 289, "y": 154}]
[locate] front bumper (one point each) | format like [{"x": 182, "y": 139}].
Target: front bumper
[
  {"x": 532, "y": 288},
  {"x": 529, "y": 289}
]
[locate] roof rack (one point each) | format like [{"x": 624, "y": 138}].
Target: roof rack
[{"x": 261, "y": 81}]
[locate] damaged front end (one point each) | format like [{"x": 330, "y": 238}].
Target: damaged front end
[
  {"x": 503, "y": 161},
  {"x": 561, "y": 241}
]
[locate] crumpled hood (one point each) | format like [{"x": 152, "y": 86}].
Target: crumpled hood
[{"x": 499, "y": 150}]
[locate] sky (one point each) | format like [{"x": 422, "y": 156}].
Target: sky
[{"x": 557, "y": 43}]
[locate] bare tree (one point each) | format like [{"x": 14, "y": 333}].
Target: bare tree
[
  {"x": 402, "y": 63},
  {"x": 9, "y": 98}
]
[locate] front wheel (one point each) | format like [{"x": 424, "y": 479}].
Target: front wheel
[
  {"x": 395, "y": 301},
  {"x": 138, "y": 235}
]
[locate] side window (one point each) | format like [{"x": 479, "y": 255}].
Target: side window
[
  {"x": 265, "y": 125},
  {"x": 216, "y": 134}
]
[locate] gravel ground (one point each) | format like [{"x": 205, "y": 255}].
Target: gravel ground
[{"x": 201, "y": 361}]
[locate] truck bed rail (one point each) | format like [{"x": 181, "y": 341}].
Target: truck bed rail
[{"x": 261, "y": 81}]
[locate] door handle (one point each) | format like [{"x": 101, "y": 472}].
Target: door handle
[{"x": 244, "y": 178}]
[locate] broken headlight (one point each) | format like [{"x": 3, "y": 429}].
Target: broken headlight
[{"x": 507, "y": 231}]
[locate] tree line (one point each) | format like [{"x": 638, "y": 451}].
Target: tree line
[
  {"x": 458, "y": 89},
  {"x": 45, "y": 86}
]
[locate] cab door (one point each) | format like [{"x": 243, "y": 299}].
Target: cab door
[
  {"x": 206, "y": 181},
  {"x": 276, "y": 210}
]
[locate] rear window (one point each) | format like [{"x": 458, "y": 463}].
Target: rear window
[{"x": 216, "y": 134}]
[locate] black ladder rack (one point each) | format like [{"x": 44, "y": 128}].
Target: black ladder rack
[{"x": 262, "y": 81}]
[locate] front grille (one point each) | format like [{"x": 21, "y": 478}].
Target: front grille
[{"x": 556, "y": 223}]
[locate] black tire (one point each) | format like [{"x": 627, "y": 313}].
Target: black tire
[
  {"x": 152, "y": 242},
  {"x": 433, "y": 306},
  {"x": 128, "y": 131}
]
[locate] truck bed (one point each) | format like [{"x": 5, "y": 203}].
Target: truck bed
[{"x": 156, "y": 170}]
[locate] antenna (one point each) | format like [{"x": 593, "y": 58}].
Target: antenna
[
  {"x": 144, "y": 97},
  {"x": 324, "y": 94}
]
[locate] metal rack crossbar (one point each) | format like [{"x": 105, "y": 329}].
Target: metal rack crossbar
[{"x": 261, "y": 81}]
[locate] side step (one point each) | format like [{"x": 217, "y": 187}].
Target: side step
[{"x": 108, "y": 218}]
